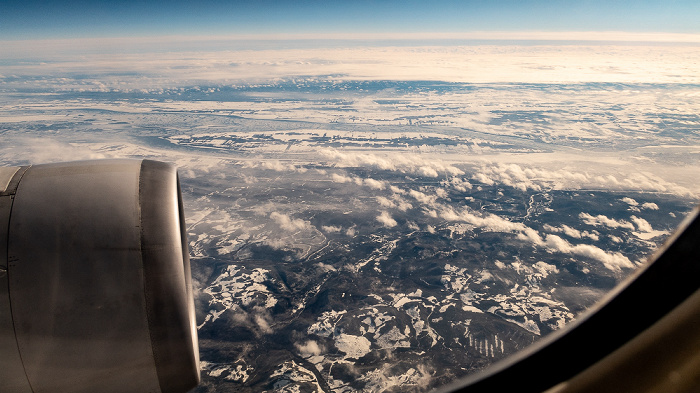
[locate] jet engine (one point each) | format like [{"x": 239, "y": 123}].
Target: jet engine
[{"x": 95, "y": 287}]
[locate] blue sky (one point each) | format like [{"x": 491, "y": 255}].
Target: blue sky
[{"x": 31, "y": 19}]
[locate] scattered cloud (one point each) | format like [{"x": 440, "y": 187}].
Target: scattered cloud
[
  {"x": 545, "y": 269},
  {"x": 537, "y": 179},
  {"x": 602, "y": 220},
  {"x": 650, "y": 206},
  {"x": 385, "y": 202},
  {"x": 341, "y": 178},
  {"x": 309, "y": 348},
  {"x": 375, "y": 184},
  {"x": 642, "y": 224},
  {"x": 386, "y": 220},
  {"x": 369, "y": 182},
  {"x": 458, "y": 184},
  {"x": 629, "y": 201},
  {"x": 611, "y": 260},
  {"x": 290, "y": 224},
  {"x": 403, "y": 163},
  {"x": 571, "y": 232},
  {"x": 423, "y": 198},
  {"x": 331, "y": 228}
]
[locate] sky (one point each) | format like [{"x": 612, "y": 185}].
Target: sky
[{"x": 32, "y": 19}]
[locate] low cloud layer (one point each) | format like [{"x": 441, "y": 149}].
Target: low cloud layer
[{"x": 611, "y": 260}]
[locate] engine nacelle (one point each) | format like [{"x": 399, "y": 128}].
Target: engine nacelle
[{"x": 95, "y": 287}]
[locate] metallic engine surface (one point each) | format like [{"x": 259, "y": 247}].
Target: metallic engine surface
[
  {"x": 12, "y": 375},
  {"x": 93, "y": 263}
]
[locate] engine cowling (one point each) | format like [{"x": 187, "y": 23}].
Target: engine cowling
[{"x": 95, "y": 287}]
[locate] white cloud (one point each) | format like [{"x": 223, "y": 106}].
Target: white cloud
[
  {"x": 331, "y": 228},
  {"x": 289, "y": 224},
  {"x": 473, "y": 64},
  {"x": 571, "y": 232},
  {"x": 371, "y": 183},
  {"x": 537, "y": 179},
  {"x": 262, "y": 319},
  {"x": 482, "y": 178},
  {"x": 423, "y": 198},
  {"x": 613, "y": 261},
  {"x": 605, "y": 221},
  {"x": 629, "y": 201},
  {"x": 642, "y": 224},
  {"x": 279, "y": 166},
  {"x": 310, "y": 348},
  {"x": 412, "y": 226},
  {"x": 458, "y": 184},
  {"x": 650, "y": 206},
  {"x": 427, "y": 171},
  {"x": 403, "y": 163},
  {"x": 375, "y": 184},
  {"x": 385, "y": 202},
  {"x": 397, "y": 190},
  {"x": 340, "y": 178},
  {"x": 545, "y": 269},
  {"x": 487, "y": 221},
  {"x": 386, "y": 220},
  {"x": 402, "y": 204}
]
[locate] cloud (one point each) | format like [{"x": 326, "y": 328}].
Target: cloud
[
  {"x": 482, "y": 178},
  {"x": 397, "y": 190},
  {"x": 44, "y": 150},
  {"x": 274, "y": 165},
  {"x": 396, "y": 202},
  {"x": 536, "y": 179},
  {"x": 402, "y": 163},
  {"x": 331, "y": 228},
  {"x": 605, "y": 221},
  {"x": 385, "y": 202},
  {"x": 310, "y": 348},
  {"x": 571, "y": 232},
  {"x": 427, "y": 171},
  {"x": 613, "y": 261},
  {"x": 340, "y": 178},
  {"x": 423, "y": 198},
  {"x": 458, "y": 184},
  {"x": 650, "y": 206},
  {"x": 412, "y": 226},
  {"x": 289, "y": 224},
  {"x": 545, "y": 269},
  {"x": 629, "y": 201},
  {"x": 402, "y": 204},
  {"x": 642, "y": 224},
  {"x": 487, "y": 221},
  {"x": 375, "y": 184},
  {"x": 263, "y": 323},
  {"x": 386, "y": 220},
  {"x": 371, "y": 183},
  {"x": 567, "y": 230},
  {"x": 279, "y": 166},
  {"x": 472, "y": 64}
]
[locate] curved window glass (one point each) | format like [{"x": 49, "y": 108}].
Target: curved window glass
[{"x": 394, "y": 213}]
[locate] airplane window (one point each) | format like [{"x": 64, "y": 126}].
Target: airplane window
[{"x": 381, "y": 212}]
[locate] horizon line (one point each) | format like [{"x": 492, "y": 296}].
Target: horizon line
[{"x": 596, "y": 36}]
